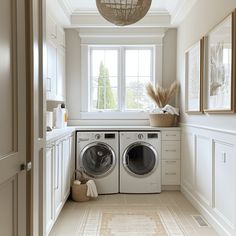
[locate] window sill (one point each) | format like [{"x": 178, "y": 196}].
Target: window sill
[{"x": 114, "y": 115}]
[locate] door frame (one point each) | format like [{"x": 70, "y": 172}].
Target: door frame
[{"x": 36, "y": 109}]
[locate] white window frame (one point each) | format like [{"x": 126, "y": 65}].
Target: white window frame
[
  {"x": 117, "y": 37},
  {"x": 121, "y": 76}
]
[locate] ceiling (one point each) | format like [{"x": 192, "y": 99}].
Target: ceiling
[
  {"x": 90, "y": 5},
  {"x": 84, "y": 13}
]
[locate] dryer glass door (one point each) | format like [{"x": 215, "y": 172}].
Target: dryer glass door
[
  {"x": 98, "y": 160},
  {"x": 140, "y": 159}
]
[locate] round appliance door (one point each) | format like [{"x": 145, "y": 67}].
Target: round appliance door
[
  {"x": 97, "y": 159},
  {"x": 140, "y": 159}
]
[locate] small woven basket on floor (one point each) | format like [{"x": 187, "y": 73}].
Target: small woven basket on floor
[
  {"x": 79, "y": 192},
  {"x": 163, "y": 120}
]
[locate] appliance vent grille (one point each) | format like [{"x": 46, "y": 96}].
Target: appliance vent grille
[{"x": 200, "y": 221}]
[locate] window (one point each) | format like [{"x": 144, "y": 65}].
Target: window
[{"x": 117, "y": 78}]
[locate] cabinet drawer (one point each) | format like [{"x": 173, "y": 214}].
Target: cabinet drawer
[
  {"x": 171, "y": 172},
  {"x": 170, "y": 150},
  {"x": 170, "y": 135}
]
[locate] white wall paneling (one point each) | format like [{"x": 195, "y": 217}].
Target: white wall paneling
[
  {"x": 203, "y": 168},
  {"x": 208, "y": 174}
]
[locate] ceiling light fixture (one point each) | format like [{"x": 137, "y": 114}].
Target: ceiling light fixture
[{"x": 123, "y": 12}]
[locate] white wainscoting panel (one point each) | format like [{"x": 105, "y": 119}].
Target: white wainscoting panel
[
  {"x": 208, "y": 174},
  {"x": 187, "y": 160},
  {"x": 225, "y": 178},
  {"x": 203, "y": 169}
]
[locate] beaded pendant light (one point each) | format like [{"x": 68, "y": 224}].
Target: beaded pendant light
[{"x": 123, "y": 12}]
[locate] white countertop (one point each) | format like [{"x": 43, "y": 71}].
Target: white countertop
[
  {"x": 58, "y": 133},
  {"x": 121, "y": 127}
]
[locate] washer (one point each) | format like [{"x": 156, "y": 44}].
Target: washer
[
  {"x": 97, "y": 156},
  {"x": 140, "y": 162}
]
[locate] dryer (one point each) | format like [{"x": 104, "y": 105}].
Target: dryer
[
  {"x": 140, "y": 162},
  {"x": 97, "y": 156}
]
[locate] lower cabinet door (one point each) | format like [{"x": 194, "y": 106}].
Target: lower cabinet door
[
  {"x": 170, "y": 172},
  {"x": 58, "y": 178},
  {"x": 49, "y": 189},
  {"x": 66, "y": 169},
  {"x": 72, "y": 157}
]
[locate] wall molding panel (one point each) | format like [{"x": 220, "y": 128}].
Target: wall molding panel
[{"x": 208, "y": 174}]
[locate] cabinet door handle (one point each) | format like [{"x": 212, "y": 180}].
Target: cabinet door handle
[
  {"x": 49, "y": 84},
  {"x": 170, "y": 162},
  {"x": 53, "y": 36},
  {"x": 170, "y": 150},
  {"x": 170, "y": 173}
]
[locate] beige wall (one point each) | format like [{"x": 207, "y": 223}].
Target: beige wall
[
  {"x": 202, "y": 17},
  {"x": 73, "y": 73}
]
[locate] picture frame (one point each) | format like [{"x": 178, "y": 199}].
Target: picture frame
[
  {"x": 194, "y": 67},
  {"x": 220, "y": 59}
]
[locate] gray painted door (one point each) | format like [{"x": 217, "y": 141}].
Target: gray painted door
[{"x": 12, "y": 118}]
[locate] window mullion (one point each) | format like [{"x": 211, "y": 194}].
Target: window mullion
[{"x": 122, "y": 79}]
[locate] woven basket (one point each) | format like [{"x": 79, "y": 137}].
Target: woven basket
[
  {"x": 163, "y": 120},
  {"x": 79, "y": 192}
]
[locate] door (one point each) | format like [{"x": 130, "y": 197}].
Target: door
[
  {"x": 12, "y": 118},
  {"x": 66, "y": 168},
  {"x": 61, "y": 83},
  {"x": 51, "y": 70},
  {"x": 97, "y": 160},
  {"x": 58, "y": 177},
  {"x": 140, "y": 159}
]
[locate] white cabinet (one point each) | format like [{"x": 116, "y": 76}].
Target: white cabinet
[
  {"x": 49, "y": 190},
  {"x": 66, "y": 168},
  {"x": 170, "y": 157},
  {"x": 55, "y": 85},
  {"x": 58, "y": 168},
  {"x": 61, "y": 77},
  {"x": 51, "y": 85},
  {"x": 72, "y": 156},
  {"x": 58, "y": 161}
]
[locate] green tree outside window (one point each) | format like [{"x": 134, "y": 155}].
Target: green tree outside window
[{"x": 105, "y": 97}]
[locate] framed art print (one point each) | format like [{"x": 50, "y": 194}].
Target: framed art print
[
  {"x": 193, "y": 78},
  {"x": 220, "y": 67}
]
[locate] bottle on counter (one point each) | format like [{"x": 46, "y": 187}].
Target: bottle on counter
[{"x": 61, "y": 116}]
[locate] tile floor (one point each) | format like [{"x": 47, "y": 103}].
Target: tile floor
[{"x": 173, "y": 209}]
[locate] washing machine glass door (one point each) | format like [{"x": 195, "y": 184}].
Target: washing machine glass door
[
  {"x": 140, "y": 159},
  {"x": 98, "y": 159}
]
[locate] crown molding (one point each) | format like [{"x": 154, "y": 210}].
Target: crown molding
[
  {"x": 181, "y": 11},
  {"x": 92, "y": 19},
  {"x": 66, "y": 7},
  {"x": 121, "y": 32},
  {"x": 122, "y": 36}
]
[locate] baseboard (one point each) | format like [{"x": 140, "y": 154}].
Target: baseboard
[
  {"x": 170, "y": 188},
  {"x": 205, "y": 212}
]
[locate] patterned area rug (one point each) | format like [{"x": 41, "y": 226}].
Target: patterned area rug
[
  {"x": 131, "y": 223},
  {"x": 128, "y": 221}
]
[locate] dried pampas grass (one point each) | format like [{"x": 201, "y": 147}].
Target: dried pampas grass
[{"x": 160, "y": 95}]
